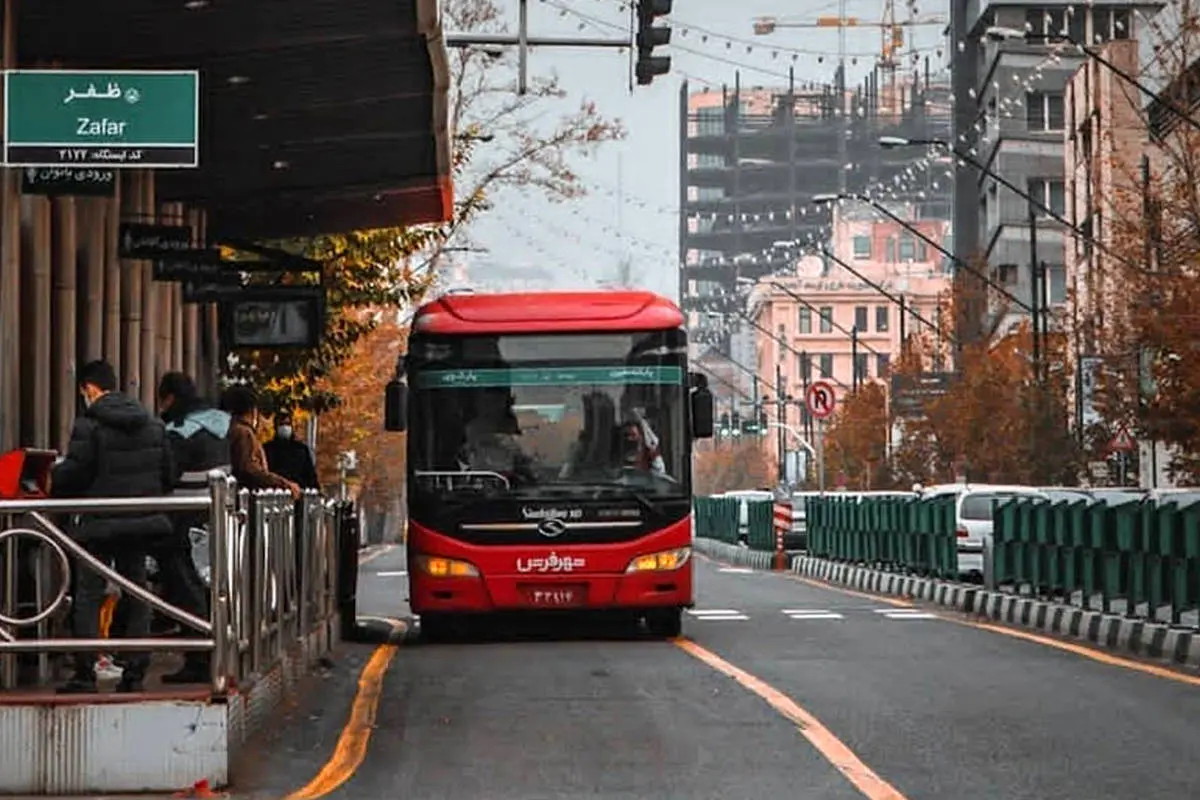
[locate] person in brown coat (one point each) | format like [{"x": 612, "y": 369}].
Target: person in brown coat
[{"x": 246, "y": 454}]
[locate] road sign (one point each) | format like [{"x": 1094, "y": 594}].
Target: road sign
[
  {"x": 820, "y": 399},
  {"x": 141, "y": 119},
  {"x": 1123, "y": 442}
]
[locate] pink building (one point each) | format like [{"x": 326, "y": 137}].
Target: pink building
[{"x": 811, "y": 314}]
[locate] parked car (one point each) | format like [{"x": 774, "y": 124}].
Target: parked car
[{"x": 973, "y": 508}]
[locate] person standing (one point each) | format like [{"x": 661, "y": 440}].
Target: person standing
[
  {"x": 246, "y": 454},
  {"x": 290, "y": 457},
  {"x": 118, "y": 449},
  {"x": 199, "y": 439}
]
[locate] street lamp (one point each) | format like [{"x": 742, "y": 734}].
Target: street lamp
[{"x": 998, "y": 33}]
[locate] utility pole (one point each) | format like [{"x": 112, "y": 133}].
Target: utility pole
[
  {"x": 1035, "y": 294},
  {"x": 854, "y": 359},
  {"x": 780, "y": 414}
]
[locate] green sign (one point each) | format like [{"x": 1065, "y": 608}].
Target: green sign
[
  {"x": 547, "y": 376},
  {"x": 135, "y": 119}
]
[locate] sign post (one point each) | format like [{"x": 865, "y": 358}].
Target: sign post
[
  {"x": 137, "y": 119},
  {"x": 821, "y": 400},
  {"x": 1122, "y": 444}
]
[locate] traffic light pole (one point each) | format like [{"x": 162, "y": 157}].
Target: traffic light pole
[
  {"x": 780, "y": 414},
  {"x": 523, "y": 41}
]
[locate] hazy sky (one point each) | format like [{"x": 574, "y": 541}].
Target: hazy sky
[{"x": 582, "y": 241}]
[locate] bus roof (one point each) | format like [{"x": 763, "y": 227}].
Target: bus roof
[{"x": 547, "y": 312}]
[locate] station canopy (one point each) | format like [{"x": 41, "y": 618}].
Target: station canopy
[{"x": 317, "y": 116}]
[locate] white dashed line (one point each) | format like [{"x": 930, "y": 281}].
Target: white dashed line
[
  {"x": 736, "y": 570},
  {"x": 905, "y": 613},
  {"x": 808, "y": 613},
  {"x": 392, "y": 574},
  {"x": 717, "y": 614}
]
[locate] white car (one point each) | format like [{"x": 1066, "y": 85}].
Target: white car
[{"x": 973, "y": 522}]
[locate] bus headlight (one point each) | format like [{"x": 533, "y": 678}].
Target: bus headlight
[
  {"x": 665, "y": 561},
  {"x": 440, "y": 567}
]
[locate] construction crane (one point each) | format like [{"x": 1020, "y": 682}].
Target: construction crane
[{"x": 891, "y": 32}]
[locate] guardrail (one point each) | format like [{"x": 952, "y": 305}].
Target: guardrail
[
  {"x": 899, "y": 534},
  {"x": 272, "y": 575},
  {"x": 1138, "y": 558},
  {"x": 720, "y": 518}
]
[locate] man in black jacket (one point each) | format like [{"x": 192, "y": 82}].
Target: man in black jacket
[
  {"x": 117, "y": 449},
  {"x": 290, "y": 457}
]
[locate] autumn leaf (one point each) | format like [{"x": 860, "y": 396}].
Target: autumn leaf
[{"x": 724, "y": 466}]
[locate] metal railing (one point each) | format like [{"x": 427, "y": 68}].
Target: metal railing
[{"x": 272, "y": 578}]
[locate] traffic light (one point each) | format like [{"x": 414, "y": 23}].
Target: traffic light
[
  {"x": 724, "y": 422},
  {"x": 650, "y": 66}
]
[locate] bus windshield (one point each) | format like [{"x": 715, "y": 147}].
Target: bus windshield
[{"x": 534, "y": 415}]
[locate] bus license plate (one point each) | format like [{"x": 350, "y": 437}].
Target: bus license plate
[{"x": 554, "y": 596}]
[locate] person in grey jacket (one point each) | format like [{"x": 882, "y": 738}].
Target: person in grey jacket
[{"x": 199, "y": 441}]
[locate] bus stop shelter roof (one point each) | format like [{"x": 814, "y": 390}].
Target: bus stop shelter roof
[{"x": 317, "y": 116}]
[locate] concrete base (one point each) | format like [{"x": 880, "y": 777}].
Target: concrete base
[
  {"x": 129, "y": 744},
  {"x": 734, "y": 554}
]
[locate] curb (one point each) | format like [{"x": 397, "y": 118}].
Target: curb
[
  {"x": 1109, "y": 631},
  {"x": 734, "y": 554}
]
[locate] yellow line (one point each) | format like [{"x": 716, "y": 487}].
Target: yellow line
[
  {"x": 842, "y": 757},
  {"x": 1080, "y": 650},
  {"x": 351, "y": 747},
  {"x": 367, "y": 558},
  {"x": 1099, "y": 656}
]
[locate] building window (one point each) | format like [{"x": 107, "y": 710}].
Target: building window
[
  {"x": 1046, "y": 21},
  {"x": 805, "y": 320},
  {"x": 1044, "y": 111},
  {"x": 908, "y": 248},
  {"x": 1056, "y": 283},
  {"x": 783, "y": 332},
  {"x": 826, "y": 319},
  {"x": 1050, "y": 193},
  {"x": 709, "y": 161},
  {"x": 860, "y": 367},
  {"x": 804, "y": 363},
  {"x": 862, "y": 246},
  {"x": 1108, "y": 24},
  {"x": 1006, "y": 274},
  {"x": 889, "y": 250},
  {"x": 710, "y": 192},
  {"x": 881, "y": 318},
  {"x": 882, "y": 362},
  {"x": 860, "y": 318},
  {"x": 826, "y": 365},
  {"x": 710, "y": 121},
  {"x": 922, "y": 252}
]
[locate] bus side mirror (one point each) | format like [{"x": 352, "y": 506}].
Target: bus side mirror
[
  {"x": 702, "y": 413},
  {"x": 395, "y": 406}
]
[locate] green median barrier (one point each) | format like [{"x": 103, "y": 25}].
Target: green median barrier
[
  {"x": 716, "y": 518},
  {"x": 760, "y": 532},
  {"x": 1185, "y": 564}
]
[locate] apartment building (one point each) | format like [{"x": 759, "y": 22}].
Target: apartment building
[
  {"x": 823, "y": 322},
  {"x": 1011, "y": 116}
]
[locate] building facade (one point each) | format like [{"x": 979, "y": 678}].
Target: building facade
[
  {"x": 823, "y": 322},
  {"x": 1010, "y": 116}
]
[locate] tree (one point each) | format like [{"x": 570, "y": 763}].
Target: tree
[
  {"x": 1139, "y": 291},
  {"x": 501, "y": 143},
  {"x": 357, "y": 423},
  {"x": 856, "y": 442},
  {"x": 725, "y": 468}
]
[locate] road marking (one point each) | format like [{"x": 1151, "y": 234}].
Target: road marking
[
  {"x": 701, "y": 612},
  {"x": 720, "y": 617},
  {"x": 1165, "y": 673},
  {"x": 392, "y": 574},
  {"x": 803, "y": 613},
  {"x": 894, "y": 601},
  {"x": 374, "y": 552},
  {"x": 904, "y": 613},
  {"x": 351, "y": 746},
  {"x": 736, "y": 570},
  {"x": 1080, "y": 650},
  {"x": 842, "y": 757}
]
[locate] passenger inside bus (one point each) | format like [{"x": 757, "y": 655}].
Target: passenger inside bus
[{"x": 490, "y": 437}]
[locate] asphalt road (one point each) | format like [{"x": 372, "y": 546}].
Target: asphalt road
[{"x": 935, "y": 708}]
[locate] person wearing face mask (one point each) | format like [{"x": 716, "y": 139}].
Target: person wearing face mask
[
  {"x": 246, "y": 454},
  {"x": 118, "y": 449},
  {"x": 289, "y": 457}
]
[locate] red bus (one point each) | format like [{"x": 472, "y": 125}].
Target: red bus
[{"x": 549, "y": 456}]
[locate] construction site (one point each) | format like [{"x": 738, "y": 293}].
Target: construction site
[{"x": 756, "y": 162}]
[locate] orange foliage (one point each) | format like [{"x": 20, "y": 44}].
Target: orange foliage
[
  {"x": 856, "y": 441},
  {"x": 724, "y": 466},
  {"x": 357, "y": 424}
]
